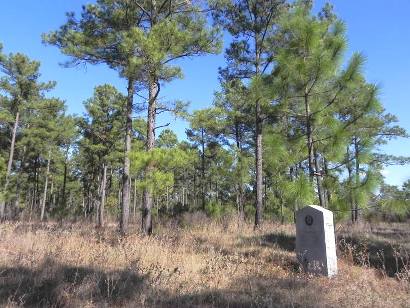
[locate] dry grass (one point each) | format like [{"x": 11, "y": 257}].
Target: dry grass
[
  {"x": 211, "y": 265},
  {"x": 385, "y": 246}
]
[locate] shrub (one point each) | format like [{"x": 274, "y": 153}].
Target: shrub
[
  {"x": 214, "y": 209},
  {"x": 249, "y": 210}
]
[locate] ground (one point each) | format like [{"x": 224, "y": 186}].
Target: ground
[{"x": 199, "y": 263}]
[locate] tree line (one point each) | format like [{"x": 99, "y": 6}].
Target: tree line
[{"x": 294, "y": 121}]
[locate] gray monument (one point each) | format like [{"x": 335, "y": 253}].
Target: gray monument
[{"x": 315, "y": 240}]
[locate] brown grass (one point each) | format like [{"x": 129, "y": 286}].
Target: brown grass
[
  {"x": 385, "y": 246},
  {"x": 211, "y": 265}
]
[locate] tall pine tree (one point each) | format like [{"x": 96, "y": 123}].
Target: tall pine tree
[{"x": 140, "y": 39}]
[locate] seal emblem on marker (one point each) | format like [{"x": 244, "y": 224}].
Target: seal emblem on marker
[{"x": 309, "y": 220}]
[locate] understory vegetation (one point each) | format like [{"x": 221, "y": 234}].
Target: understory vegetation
[{"x": 197, "y": 262}]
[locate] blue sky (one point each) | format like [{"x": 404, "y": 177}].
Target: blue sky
[{"x": 379, "y": 29}]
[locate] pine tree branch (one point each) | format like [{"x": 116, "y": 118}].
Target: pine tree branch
[{"x": 162, "y": 126}]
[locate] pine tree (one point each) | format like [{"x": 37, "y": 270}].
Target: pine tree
[
  {"x": 366, "y": 125},
  {"x": 394, "y": 202},
  {"x": 140, "y": 39},
  {"x": 252, "y": 26},
  {"x": 40, "y": 140},
  {"x": 310, "y": 82},
  {"x": 101, "y": 146},
  {"x": 20, "y": 85},
  {"x": 237, "y": 133},
  {"x": 168, "y": 159},
  {"x": 206, "y": 126},
  {"x": 68, "y": 137}
]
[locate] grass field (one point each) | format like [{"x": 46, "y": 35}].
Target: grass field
[{"x": 211, "y": 265}]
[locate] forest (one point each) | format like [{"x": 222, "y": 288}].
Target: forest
[{"x": 294, "y": 122}]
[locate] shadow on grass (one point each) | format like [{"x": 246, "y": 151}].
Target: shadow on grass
[
  {"x": 392, "y": 259},
  {"x": 393, "y": 234},
  {"x": 281, "y": 240},
  {"x": 254, "y": 292},
  {"x": 382, "y": 255},
  {"x": 56, "y": 285}
]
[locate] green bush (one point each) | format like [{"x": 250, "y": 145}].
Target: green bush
[
  {"x": 214, "y": 209},
  {"x": 218, "y": 210}
]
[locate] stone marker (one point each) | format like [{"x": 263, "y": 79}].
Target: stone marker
[{"x": 315, "y": 240}]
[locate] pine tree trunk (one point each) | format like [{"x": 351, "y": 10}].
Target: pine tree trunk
[
  {"x": 125, "y": 204},
  {"x": 311, "y": 156},
  {"x": 17, "y": 201},
  {"x": 97, "y": 199},
  {"x": 184, "y": 196},
  {"x": 203, "y": 186},
  {"x": 326, "y": 190},
  {"x": 135, "y": 199},
  {"x": 239, "y": 197},
  {"x": 313, "y": 163},
  {"x": 63, "y": 193},
  {"x": 147, "y": 208},
  {"x": 100, "y": 222},
  {"x": 35, "y": 185},
  {"x": 293, "y": 172},
  {"x": 357, "y": 178},
  {"x": 258, "y": 167},
  {"x": 18, "y": 181},
  {"x": 9, "y": 165},
  {"x": 55, "y": 198},
  {"x": 27, "y": 202},
  {"x": 258, "y": 142},
  {"x": 319, "y": 183},
  {"x": 84, "y": 208},
  {"x": 43, "y": 202},
  {"x": 51, "y": 198},
  {"x": 349, "y": 183}
]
